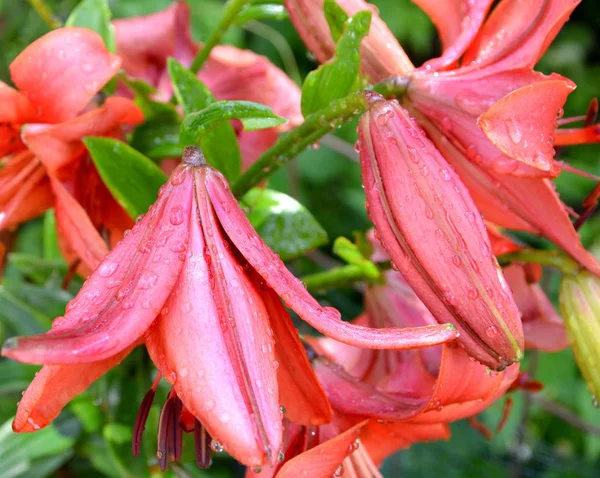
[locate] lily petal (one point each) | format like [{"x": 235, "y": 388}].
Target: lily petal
[
  {"x": 300, "y": 392},
  {"x": 56, "y": 385},
  {"x": 522, "y": 124},
  {"x": 210, "y": 344},
  {"x": 325, "y": 319},
  {"x": 571, "y": 136},
  {"x": 533, "y": 201},
  {"x": 458, "y": 23},
  {"x": 517, "y": 33},
  {"x": 324, "y": 459},
  {"x": 77, "y": 235},
  {"x": 381, "y": 54},
  {"x": 121, "y": 299},
  {"x": 58, "y": 145},
  {"x": 72, "y": 63}
]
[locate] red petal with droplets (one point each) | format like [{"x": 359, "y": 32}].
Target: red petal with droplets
[
  {"x": 62, "y": 71},
  {"x": 325, "y": 319},
  {"x": 121, "y": 299},
  {"x": 77, "y": 235},
  {"x": 56, "y": 385},
  {"x": 435, "y": 236},
  {"x": 58, "y": 145},
  {"x": 381, "y": 54},
  {"x": 504, "y": 200},
  {"x": 300, "y": 392},
  {"x": 522, "y": 123},
  {"x": 457, "y": 22},
  {"x": 322, "y": 460},
  {"x": 518, "y": 33},
  {"x": 213, "y": 342}
]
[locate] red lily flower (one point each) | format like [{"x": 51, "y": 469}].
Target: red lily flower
[
  {"x": 425, "y": 218},
  {"x": 196, "y": 284},
  {"x": 497, "y": 57},
  {"x": 147, "y": 41},
  {"x": 45, "y": 164}
]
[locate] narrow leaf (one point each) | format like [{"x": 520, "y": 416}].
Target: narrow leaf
[
  {"x": 336, "y": 18},
  {"x": 283, "y": 223},
  {"x": 271, "y": 12},
  {"x": 340, "y": 76},
  {"x": 252, "y": 115},
  {"x": 132, "y": 178},
  {"x": 219, "y": 145}
]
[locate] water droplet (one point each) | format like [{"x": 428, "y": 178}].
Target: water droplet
[
  {"x": 445, "y": 174},
  {"x": 491, "y": 331},
  {"x": 186, "y": 307},
  {"x": 280, "y": 457},
  {"x": 178, "y": 177},
  {"x": 595, "y": 403},
  {"x": 472, "y": 294},
  {"x": 514, "y": 133},
  {"x": 179, "y": 247},
  {"x": 428, "y": 213},
  {"x": 87, "y": 67},
  {"x": 338, "y": 471},
  {"x": 107, "y": 268},
  {"x": 216, "y": 446},
  {"x": 412, "y": 154},
  {"x": 176, "y": 215},
  {"x": 147, "y": 280},
  {"x": 470, "y": 216},
  {"x": 424, "y": 170},
  {"x": 456, "y": 261},
  {"x": 446, "y": 123}
]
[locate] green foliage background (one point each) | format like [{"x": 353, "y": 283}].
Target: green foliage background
[{"x": 92, "y": 437}]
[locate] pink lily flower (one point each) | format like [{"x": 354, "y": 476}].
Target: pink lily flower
[
  {"x": 147, "y": 41},
  {"x": 497, "y": 56},
  {"x": 44, "y": 161},
  {"x": 197, "y": 285},
  {"x": 429, "y": 226}
]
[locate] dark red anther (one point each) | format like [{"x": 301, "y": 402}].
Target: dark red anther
[
  {"x": 202, "y": 440},
  {"x": 140, "y": 421}
]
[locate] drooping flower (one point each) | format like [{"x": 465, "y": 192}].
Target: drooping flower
[
  {"x": 147, "y": 41},
  {"x": 197, "y": 285},
  {"x": 44, "y": 161},
  {"x": 428, "y": 224},
  {"x": 497, "y": 54}
]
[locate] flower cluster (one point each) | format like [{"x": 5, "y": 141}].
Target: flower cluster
[{"x": 462, "y": 151}]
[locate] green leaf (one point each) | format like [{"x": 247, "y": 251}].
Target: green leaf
[
  {"x": 252, "y": 115},
  {"x": 132, "y": 178},
  {"x": 50, "y": 240},
  {"x": 158, "y": 137},
  {"x": 95, "y": 15},
  {"x": 269, "y": 12},
  {"x": 20, "y": 317},
  {"x": 19, "y": 453},
  {"x": 219, "y": 144},
  {"x": 142, "y": 97},
  {"x": 340, "y": 76},
  {"x": 336, "y": 18},
  {"x": 284, "y": 224}
]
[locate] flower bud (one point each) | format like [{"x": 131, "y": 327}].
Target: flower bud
[
  {"x": 580, "y": 308},
  {"x": 428, "y": 223}
]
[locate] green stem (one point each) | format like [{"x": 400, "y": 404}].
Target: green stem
[
  {"x": 46, "y": 13},
  {"x": 337, "y": 277},
  {"x": 231, "y": 11},
  {"x": 547, "y": 258},
  {"x": 393, "y": 87},
  {"x": 315, "y": 126}
]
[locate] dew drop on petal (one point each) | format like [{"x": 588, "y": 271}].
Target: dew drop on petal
[
  {"x": 177, "y": 216},
  {"x": 472, "y": 294},
  {"x": 107, "y": 268}
]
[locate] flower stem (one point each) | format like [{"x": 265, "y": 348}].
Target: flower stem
[
  {"x": 547, "y": 258},
  {"x": 337, "y": 277},
  {"x": 393, "y": 87},
  {"x": 231, "y": 11},
  {"x": 293, "y": 143},
  {"x": 46, "y": 13}
]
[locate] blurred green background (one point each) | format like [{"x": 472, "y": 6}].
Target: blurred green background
[{"x": 553, "y": 434}]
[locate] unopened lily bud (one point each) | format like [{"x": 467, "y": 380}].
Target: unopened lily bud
[
  {"x": 382, "y": 55},
  {"x": 430, "y": 227},
  {"x": 580, "y": 308}
]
